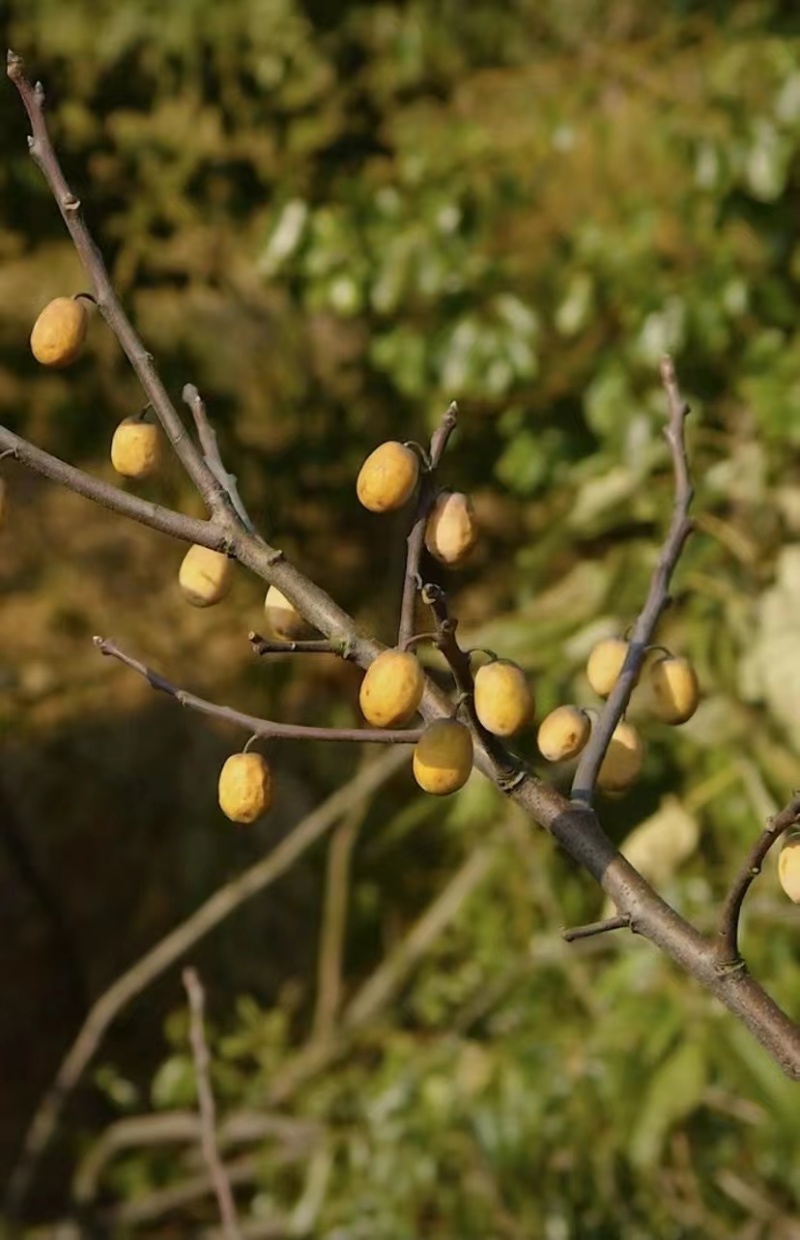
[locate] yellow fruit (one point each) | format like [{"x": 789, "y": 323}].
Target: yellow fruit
[
  {"x": 205, "y": 576},
  {"x": 503, "y": 697},
  {"x": 563, "y": 733},
  {"x": 789, "y": 867},
  {"x": 451, "y": 530},
  {"x": 391, "y": 690},
  {"x": 388, "y": 477},
  {"x": 136, "y": 448},
  {"x": 623, "y": 760},
  {"x": 245, "y": 787},
  {"x": 284, "y": 620},
  {"x": 605, "y": 664},
  {"x": 59, "y": 332},
  {"x": 674, "y": 689},
  {"x": 443, "y": 757}
]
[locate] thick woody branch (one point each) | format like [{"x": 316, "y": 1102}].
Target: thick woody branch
[{"x": 657, "y": 597}]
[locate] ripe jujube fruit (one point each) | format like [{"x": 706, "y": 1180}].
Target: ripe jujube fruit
[
  {"x": 623, "y": 759},
  {"x": 451, "y": 530},
  {"x": 563, "y": 733},
  {"x": 443, "y": 757},
  {"x": 136, "y": 448},
  {"x": 391, "y": 690},
  {"x": 503, "y": 697},
  {"x": 674, "y": 689},
  {"x": 387, "y": 478},
  {"x": 789, "y": 867},
  {"x": 283, "y": 618},
  {"x": 245, "y": 787},
  {"x": 205, "y": 576},
  {"x": 59, "y": 332},
  {"x": 605, "y": 664}
]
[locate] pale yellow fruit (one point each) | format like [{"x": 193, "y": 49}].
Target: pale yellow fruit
[
  {"x": 283, "y": 618},
  {"x": 205, "y": 576},
  {"x": 388, "y": 477},
  {"x": 391, "y": 690},
  {"x": 443, "y": 757},
  {"x": 605, "y": 664},
  {"x": 451, "y": 530},
  {"x": 623, "y": 760},
  {"x": 503, "y": 697},
  {"x": 136, "y": 448},
  {"x": 789, "y": 867},
  {"x": 245, "y": 787},
  {"x": 563, "y": 733},
  {"x": 674, "y": 689},
  {"x": 59, "y": 332}
]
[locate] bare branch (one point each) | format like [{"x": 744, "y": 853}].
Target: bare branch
[
  {"x": 728, "y": 955},
  {"x": 205, "y": 1098},
  {"x": 657, "y": 596},
  {"x": 263, "y": 646},
  {"x": 208, "y": 441}
]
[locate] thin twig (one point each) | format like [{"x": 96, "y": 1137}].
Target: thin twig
[
  {"x": 263, "y": 646},
  {"x": 266, "y": 728},
  {"x": 595, "y": 927},
  {"x": 208, "y": 442},
  {"x": 657, "y": 596},
  {"x": 164, "y": 954},
  {"x": 208, "y": 1113},
  {"x": 728, "y": 955},
  {"x": 334, "y": 921},
  {"x": 415, "y": 543}
]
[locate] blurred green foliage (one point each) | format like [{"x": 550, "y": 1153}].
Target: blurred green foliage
[{"x": 335, "y": 219}]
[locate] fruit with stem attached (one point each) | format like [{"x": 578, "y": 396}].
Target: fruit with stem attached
[
  {"x": 503, "y": 697},
  {"x": 391, "y": 690},
  {"x": 205, "y": 576},
  {"x": 387, "y": 478},
  {"x": 563, "y": 733},
  {"x": 245, "y": 787},
  {"x": 136, "y": 448},
  {"x": 443, "y": 757},
  {"x": 605, "y": 664},
  {"x": 451, "y": 530},
  {"x": 673, "y": 687},
  {"x": 59, "y": 332}
]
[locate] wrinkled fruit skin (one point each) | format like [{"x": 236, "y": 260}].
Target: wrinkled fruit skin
[
  {"x": 563, "y": 733},
  {"x": 391, "y": 690},
  {"x": 789, "y": 867},
  {"x": 284, "y": 620},
  {"x": 245, "y": 787},
  {"x": 623, "y": 760},
  {"x": 451, "y": 530},
  {"x": 205, "y": 576},
  {"x": 503, "y": 697},
  {"x": 674, "y": 689},
  {"x": 388, "y": 477},
  {"x": 605, "y": 664},
  {"x": 443, "y": 757},
  {"x": 136, "y": 448},
  {"x": 59, "y": 332}
]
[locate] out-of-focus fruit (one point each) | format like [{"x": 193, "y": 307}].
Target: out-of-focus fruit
[
  {"x": 503, "y": 697},
  {"x": 789, "y": 867},
  {"x": 245, "y": 787},
  {"x": 451, "y": 530},
  {"x": 391, "y": 690},
  {"x": 283, "y": 618},
  {"x": 205, "y": 576},
  {"x": 388, "y": 477},
  {"x": 623, "y": 760},
  {"x": 563, "y": 733},
  {"x": 443, "y": 757},
  {"x": 59, "y": 332}
]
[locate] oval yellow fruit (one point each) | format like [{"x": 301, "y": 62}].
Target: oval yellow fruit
[
  {"x": 391, "y": 690},
  {"x": 205, "y": 576},
  {"x": 674, "y": 689},
  {"x": 451, "y": 530},
  {"x": 563, "y": 733},
  {"x": 387, "y": 478},
  {"x": 503, "y": 697},
  {"x": 136, "y": 448},
  {"x": 245, "y": 787},
  {"x": 605, "y": 664},
  {"x": 789, "y": 867},
  {"x": 283, "y": 618},
  {"x": 623, "y": 760},
  {"x": 443, "y": 757},
  {"x": 59, "y": 332}
]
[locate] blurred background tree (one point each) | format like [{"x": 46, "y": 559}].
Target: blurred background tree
[{"x": 334, "y": 219}]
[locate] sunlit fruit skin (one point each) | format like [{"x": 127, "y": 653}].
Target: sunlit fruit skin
[
  {"x": 451, "y": 530},
  {"x": 59, "y": 332},
  {"x": 503, "y": 697},
  {"x": 388, "y": 477},
  {"x": 283, "y": 618},
  {"x": 391, "y": 690},
  {"x": 563, "y": 733},
  {"x": 623, "y": 760},
  {"x": 605, "y": 664},
  {"x": 136, "y": 448},
  {"x": 205, "y": 576},
  {"x": 674, "y": 689},
  {"x": 443, "y": 757},
  {"x": 789, "y": 867},
  {"x": 245, "y": 787}
]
